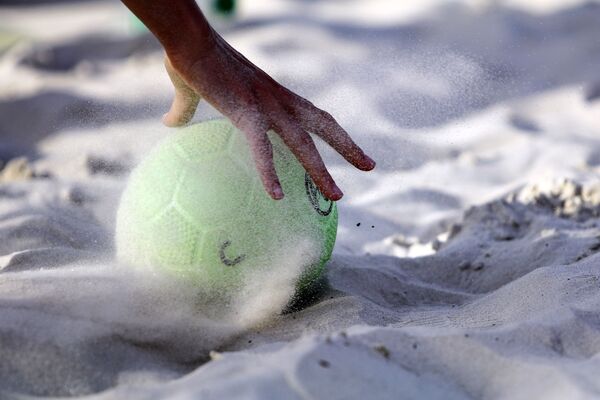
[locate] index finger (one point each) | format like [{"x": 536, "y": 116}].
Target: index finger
[
  {"x": 322, "y": 124},
  {"x": 303, "y": 147}
]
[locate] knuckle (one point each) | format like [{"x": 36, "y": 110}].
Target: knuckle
[
  {"x": 246, "y": 119},
  {"x": 327, "y": 117},
  {"x": 303, "y": 102}
]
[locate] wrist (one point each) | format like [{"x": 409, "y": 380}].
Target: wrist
[
  {"x": 179, "y": 26},
  {"x": 192, "y": 44}
]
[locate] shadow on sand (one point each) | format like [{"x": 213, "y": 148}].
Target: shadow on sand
[{"x": 51, "y": 111}]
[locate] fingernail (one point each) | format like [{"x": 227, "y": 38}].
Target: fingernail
[
  {"x": 277, "y": 193},
  {"x": 337, "y": 193},
  {"x": 371, "y": 162}
]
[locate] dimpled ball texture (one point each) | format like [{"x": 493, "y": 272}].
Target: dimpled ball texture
[{"x": 195, "y": 208}]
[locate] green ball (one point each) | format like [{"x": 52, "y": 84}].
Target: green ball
[{"x": 195, "y": 207}]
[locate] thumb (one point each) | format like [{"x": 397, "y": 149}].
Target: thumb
[{"x": 184, "y": 102}]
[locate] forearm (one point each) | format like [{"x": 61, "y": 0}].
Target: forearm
[{"x": 179, "y": 25}]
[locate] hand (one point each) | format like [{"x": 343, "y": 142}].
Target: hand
[{"x": 255, "y": 104}]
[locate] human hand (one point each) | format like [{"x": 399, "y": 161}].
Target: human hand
[{"x": 256, "y": 103}]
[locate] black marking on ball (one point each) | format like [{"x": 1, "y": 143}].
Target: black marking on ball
[
  {"x": 313, "y": 194},
  {"x": 227, "y": 261}
]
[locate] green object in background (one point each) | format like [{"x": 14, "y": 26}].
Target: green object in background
[
  {"x": 216, "y": 11},
  {"x": 196, "y": 208},
  {"x": 224, "y": 6}
]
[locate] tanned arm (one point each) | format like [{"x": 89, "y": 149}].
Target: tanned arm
[{"x": 201, "y": 64}]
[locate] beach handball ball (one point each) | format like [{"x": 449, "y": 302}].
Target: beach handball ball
[{"x": 195, "y": 208}]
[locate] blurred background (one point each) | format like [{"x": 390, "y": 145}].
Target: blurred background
[{"x": 458, "y": 101}]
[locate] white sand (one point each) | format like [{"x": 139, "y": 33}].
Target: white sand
[{"x": 474, "y": 272}]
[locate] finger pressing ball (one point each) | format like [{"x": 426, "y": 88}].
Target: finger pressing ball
[{"x": 196, "y": 209}]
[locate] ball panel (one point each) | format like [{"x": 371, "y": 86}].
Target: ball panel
[
  {"x": 330, "y": 232},
  {"x": 328, "y": 235},
  {"x": 174, "y": 241},
  {"x": 202, "y": 141},
  {"x": 225, "y": 252},
  {"x": 228, "y": 255},
  {"x": 238, "y": 149},
  {"x": 129, "y": 235},
  {"x": 153, "y": 183},
  {"x": 212, "y": 194}
]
